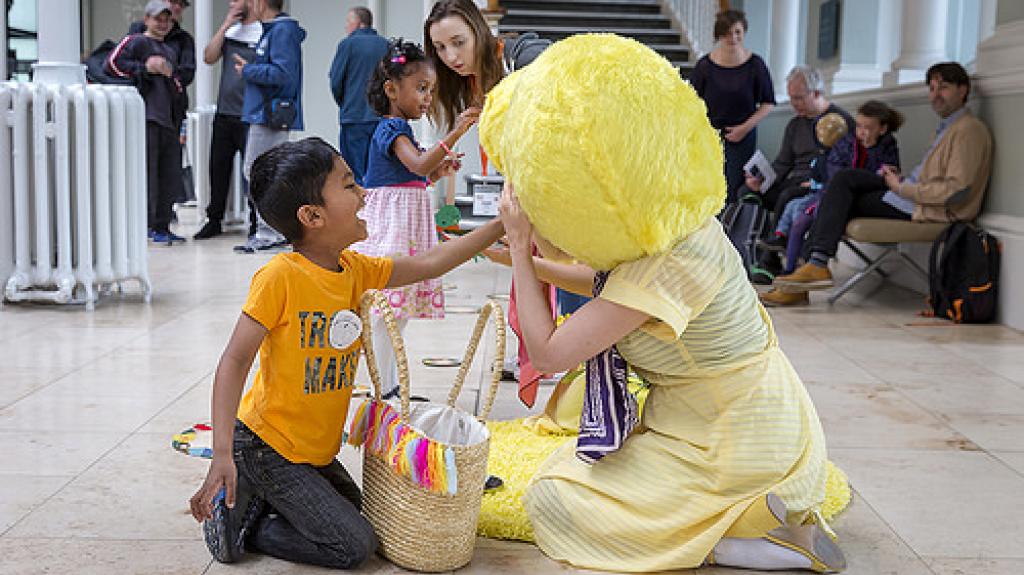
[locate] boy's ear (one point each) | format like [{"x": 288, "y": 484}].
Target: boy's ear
[
  {"x": 390, "y": 90},
  {"x": 310, "y": 216}
]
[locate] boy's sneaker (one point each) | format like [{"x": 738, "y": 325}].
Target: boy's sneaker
[
  {"x": 227, "y": 531},
  {"x": 776, "y": 244}
]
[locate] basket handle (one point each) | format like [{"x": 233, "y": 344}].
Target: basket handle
[
  {"x": 488, "y": 309},
  {"x": 376, "y": 298}
]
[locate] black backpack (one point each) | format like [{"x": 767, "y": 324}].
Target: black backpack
[
  {"x": 96, "y": 66},
  {"x": 964, "y": 274},
  {"x": 744, "y": 222}
]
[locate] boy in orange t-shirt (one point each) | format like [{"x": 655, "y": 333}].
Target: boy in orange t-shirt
[{"x": 274, "y": 484}]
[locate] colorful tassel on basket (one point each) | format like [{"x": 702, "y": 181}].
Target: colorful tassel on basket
[{"x": 377, "y": 428}]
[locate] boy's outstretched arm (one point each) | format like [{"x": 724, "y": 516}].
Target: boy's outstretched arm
[
  {"x": 445, "y": 256},
  {"x": 228, "y": 383}
]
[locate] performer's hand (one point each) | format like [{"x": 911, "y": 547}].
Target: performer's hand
[{"x": 518, "y": 229}]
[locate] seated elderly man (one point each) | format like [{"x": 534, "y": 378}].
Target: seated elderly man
[
  {"x": 960, "y": 158},
  {"x": 799, "y": 147}
]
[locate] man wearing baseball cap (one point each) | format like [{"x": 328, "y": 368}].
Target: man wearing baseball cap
[{"x": 150, "y": 63}]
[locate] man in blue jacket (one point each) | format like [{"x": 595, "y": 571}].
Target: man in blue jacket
[
  {"x": 273, "y": 97},
  {"x": 354, "y": 61}
]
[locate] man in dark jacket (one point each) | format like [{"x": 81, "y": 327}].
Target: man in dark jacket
[
  {"x": 184, "y": 47},
  {"x": 273, "y": 97},
  {"x": 354, "y": 61},
  {"x": 799, "y": 147},
  {"x": 238, "y": 34},
  {"x": 149, "y": 62}
]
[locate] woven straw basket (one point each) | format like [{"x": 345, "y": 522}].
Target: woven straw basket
[{"x": 419, "y": 529}]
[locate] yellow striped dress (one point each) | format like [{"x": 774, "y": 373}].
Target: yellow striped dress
[{"x": 727, "y": 421}]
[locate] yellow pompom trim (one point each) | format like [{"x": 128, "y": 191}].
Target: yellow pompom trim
[{"x": 517, "y": 453}]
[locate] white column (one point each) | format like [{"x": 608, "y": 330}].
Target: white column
[
  {"x": 923, "y": 41},
  {"x": 376, "y": 8},
  {"x": 784, "y": 41},
  {"x": 987, "y": 20},
  {"x": 60, "y": 39},
  {"x": 205, "y": 90},
  {"x": 3, "y": 45}
]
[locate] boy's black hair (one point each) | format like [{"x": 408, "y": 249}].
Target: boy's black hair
[
  {"x": 287, "y": 177},
  {"x": 402, "y": 59},
  {"x": 950, "y": 72}
]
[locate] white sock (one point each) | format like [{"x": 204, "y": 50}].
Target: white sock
[{"x": 758, "y": 554}]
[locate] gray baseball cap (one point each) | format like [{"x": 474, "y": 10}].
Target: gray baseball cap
[{"x": 156, "y": 7}]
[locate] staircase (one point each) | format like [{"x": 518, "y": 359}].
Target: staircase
[{"x": 641, "y": 20}]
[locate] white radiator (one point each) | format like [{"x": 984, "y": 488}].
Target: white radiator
[
  {"x": 73, "y": 181},
  {"x": 200, "y": 136}
]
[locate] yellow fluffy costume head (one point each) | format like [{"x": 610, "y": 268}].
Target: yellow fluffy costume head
[{"x": 610, "y": 152}]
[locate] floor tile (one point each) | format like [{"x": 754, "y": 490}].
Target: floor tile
[
  {"x": 992, "y": 432},
  {"x": 48, "y": 452},
  {"x": 960, "y": 566},
  {"x": 103, "y": 503},
  {"x": 20, "y": 494},
  {"x": 91, "y": 557},
  {"x": 942, "y": 503},
  {"x": 1015, "y": 459},
  {"x": 879, "y": 417}
]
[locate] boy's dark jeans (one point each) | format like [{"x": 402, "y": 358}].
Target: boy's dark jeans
[{"x": 314, "y": 516}]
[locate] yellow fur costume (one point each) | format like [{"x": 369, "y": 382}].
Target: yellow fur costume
[
  {"x": 637, "y": 176},
  {"x": 616, "y": 164}
]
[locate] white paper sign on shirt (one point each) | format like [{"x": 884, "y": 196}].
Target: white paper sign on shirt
[
  {"x": 485, "y": 199},
  {"x": 345, "y": 329}
]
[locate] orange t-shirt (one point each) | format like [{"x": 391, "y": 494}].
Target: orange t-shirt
[{"x": 299, "y": 400}]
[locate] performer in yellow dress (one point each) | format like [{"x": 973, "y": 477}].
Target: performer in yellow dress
[{"x": 609, "y": 156}]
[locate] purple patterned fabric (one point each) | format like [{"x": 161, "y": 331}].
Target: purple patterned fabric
[{"x": 609, "y": 410}]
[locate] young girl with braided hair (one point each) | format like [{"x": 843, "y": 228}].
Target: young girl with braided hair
[{"x": 398, "y": 215}]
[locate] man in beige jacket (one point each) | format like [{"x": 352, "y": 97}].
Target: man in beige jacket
[{"x": 959, "y": 160}]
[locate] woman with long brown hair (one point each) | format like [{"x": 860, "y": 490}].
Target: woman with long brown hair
[{"x": 468, "y": 58}]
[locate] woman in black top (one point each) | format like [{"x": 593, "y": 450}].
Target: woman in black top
[{"x": 737, "y": 88}]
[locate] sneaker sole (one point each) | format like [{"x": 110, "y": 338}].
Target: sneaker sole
[
  {"x": 797, "y": 287},
  {"x": 216, "y": 536}
]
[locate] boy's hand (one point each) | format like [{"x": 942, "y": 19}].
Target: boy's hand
[
  {"x": 240, "y": 63},
  {"x": 222, "y": 474},
  {"x": 498, "y": 255}
]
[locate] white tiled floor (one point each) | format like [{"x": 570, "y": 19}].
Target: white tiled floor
[{"x": 925, "y": 417}]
